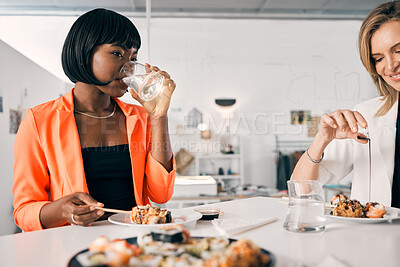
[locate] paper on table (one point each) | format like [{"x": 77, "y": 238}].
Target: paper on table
[{"x": 234, "y": 226}]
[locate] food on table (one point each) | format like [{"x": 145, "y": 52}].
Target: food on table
[
  {"x": 145, "y": 260},
  {"x": 347, "y": 207},
  {"x": 115, "y": 253},
  {"x": 339, "y": 199},
  {"x": 374, "y": 210},
  {"x": 171, "y": 233},
  {"x": 350, "y": 208},
  {"x": 154, "y": 247},
  {"x": 211, "y": 251},
  {"x": 150, "y": 215},
  {"x": 244, "y": 253},
  {"x": 121, "y": 252},
  {"x": 99, "y": 244}
]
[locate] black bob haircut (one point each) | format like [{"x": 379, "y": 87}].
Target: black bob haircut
[{"x": 96, "y": 27}]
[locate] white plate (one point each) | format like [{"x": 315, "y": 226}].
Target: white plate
[
  {"x": 391, "y": 214},
  {"x": 187, "y": 218}
]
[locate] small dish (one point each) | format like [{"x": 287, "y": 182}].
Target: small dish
[{"x": 209, "y": 213}]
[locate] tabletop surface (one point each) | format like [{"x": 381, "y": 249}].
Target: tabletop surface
[{"x": 340, "y": 244}]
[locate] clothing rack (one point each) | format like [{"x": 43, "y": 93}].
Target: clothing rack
[
  {"x": 291, "y": 145},
  {"x": 285, "y": 162}
]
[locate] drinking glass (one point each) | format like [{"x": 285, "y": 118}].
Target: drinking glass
[
  {"x": 143, "y": 80},
  {"x": 305, "y": 211}
]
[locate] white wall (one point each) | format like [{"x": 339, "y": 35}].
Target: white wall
[
  {"x": 23, "y": 83},
  {"x": 269, "y": 66}
]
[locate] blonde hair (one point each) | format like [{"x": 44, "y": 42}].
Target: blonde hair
[{"x": 384, "y": 13}]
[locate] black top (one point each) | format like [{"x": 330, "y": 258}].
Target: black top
[
  {"x": 108, "y": 173},
  {"x": 396, "y": 174}
]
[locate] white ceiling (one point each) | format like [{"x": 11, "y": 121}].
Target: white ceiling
[{"x": 320, "y": 9}]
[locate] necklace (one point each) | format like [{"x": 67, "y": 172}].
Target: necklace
[{"x": 96, "y": 117}]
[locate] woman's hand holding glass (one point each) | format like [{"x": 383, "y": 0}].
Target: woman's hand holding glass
[
  {"x": 155, "y": 100},
  {"x": 342, "y": 124}
]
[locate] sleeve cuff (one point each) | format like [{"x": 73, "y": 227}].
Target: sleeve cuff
[{"x": 30, "y": 216}]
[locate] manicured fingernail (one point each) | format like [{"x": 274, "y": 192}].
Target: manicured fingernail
[
  {"x": 99, "y": 204},
  {"x": 355, "y": 129},
  {"x": 92, "y": 208}
]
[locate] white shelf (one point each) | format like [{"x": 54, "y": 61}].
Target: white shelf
[
  {"x": 226, "y": 176},
  {"x": 226, "y": 161},
  {"x": 219, "y": 156}
]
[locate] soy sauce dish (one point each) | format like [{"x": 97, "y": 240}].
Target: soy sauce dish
[{"x": 209, "y": 213}]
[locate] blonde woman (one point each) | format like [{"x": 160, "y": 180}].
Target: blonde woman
[{"x": 337, "y": 149}]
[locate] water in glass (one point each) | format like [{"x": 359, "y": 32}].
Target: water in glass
[
  {"x": 143, "y": 80},
  {"x": 305, "y": 211}
]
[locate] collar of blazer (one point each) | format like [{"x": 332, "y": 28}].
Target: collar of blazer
[
  {"x": 385, "y": 141},
  {"x": 390, "y": 118}
]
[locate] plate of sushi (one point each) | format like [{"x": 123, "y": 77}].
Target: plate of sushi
[
  {"x": 148, "y": 217},
  {"x": 172, "y": 246},
  {"x": 351, "y": 210}
]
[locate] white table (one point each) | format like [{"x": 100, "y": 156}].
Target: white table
[{"x": 355, "y": 244}]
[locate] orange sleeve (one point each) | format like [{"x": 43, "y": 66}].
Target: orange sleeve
[
  {"x": 158, "y": 182},
  {"x": 31, "y": 176}
]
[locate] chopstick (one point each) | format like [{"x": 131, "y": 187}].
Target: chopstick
[
  {"x": 286, "y": 201},
  {"x": 114, "y": 210}
]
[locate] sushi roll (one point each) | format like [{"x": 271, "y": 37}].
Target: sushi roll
[
  {"x": 374, "y": 210},
  {"x": 162, "y": 249},
  {"x": 149, "y": 246},
  {"x": 145, "y": 261},
  {"x": 215, "y": 260},
  {"x": 339, "y": 199},
  {"x": 350, "y": 208},
  {"x": 196, "y": 247},
  {"x": 93, "y": 259},
  {"x": 184, "y": 260},
  {"x": 150, "y": 215},
  {"x": 245, "y": 253},
  {"x": 120, "y": 252},
  {"x": 172, "y": 234},
  {"x": 99, "y": 244},
  {"x": 144, "y": 239},
  {"x": 218, "y": 244}
]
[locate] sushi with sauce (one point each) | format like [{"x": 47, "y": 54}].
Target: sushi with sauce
[
  {"x": 374, "y": 210},
  {"x": 150, "y": 215}
]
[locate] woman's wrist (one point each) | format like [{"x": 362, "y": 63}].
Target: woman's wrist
[
  {"x": 316, "y": 150},
  {"x": 51, "y": 215},
  {"x": 321, "y": 141},
  {"x": 155, "y": 120}
]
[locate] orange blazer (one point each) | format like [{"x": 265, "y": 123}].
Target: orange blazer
[{"x": 48, "y": 160}]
